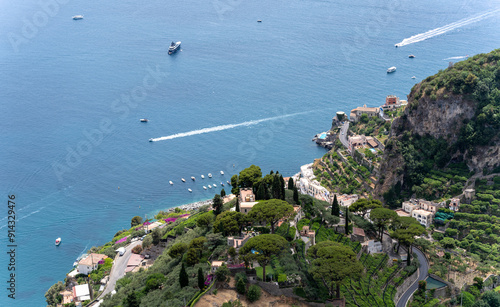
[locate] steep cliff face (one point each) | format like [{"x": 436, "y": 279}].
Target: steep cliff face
[
  {"x": 461, "y": 106},
  {"x": 439, "y": 118}
]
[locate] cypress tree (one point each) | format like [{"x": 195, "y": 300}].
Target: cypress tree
[
  {"x": 290, "y": 183},
  {"x": 261, "y": 191},
  {"x": 282, "y": 181},
  {"x": 183, "y": 277},
  {"x": 237, "y": 203},
  {"x": 276, "y": 189},
  {"x": 201, "y": 279},
  {"x": 222, "y": 193},
  {"x": 295, "y": 195},
  {"x": 347, "y": 220},
  {"x": 335, "y": 206}
]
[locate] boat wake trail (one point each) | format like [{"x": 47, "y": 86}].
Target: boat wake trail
[
  {"x": 456, "y": 58},
  {"x": 223, "y": 127},
  {"x": 441, "y": 30}
]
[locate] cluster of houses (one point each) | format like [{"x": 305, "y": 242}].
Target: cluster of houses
[
  {"x": 424, "y": 211},
  {"x": 391, "y": 103},
  {"x": 306, "y": 182}
]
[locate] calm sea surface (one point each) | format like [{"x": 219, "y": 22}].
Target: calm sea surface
[{"x": 76, "y": 157}]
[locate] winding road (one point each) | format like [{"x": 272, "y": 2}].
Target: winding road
[
  {"x": 424, "y": 270},
  {"x": 343, "y": 134}
]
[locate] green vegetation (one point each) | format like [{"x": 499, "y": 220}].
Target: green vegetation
[{"x": 271, "y": 211}]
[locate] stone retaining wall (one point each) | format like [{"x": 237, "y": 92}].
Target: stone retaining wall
[{"x": 405, "y": 285}]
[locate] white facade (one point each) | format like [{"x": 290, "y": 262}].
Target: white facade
[{"x": 423, "y": 217}]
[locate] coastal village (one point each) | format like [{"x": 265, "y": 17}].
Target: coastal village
[
  {"x": 320, "y": 216},
  {"x": 387, "y": 217}
]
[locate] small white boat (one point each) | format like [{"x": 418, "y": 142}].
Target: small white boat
[
  {"x": 202, "y": 177},
  {"x": 214, "y": 185},
  {"x": 221, "y": 172},
  {"x": 205, "y": 187},
  {"x": 228, "y": 182},
  {"x": 151, "y": 139},
  {"x": 183, "y": 180},
  {"x": 414, "y": 77},
  {"x": 171, "y": 182},
  {"x": 209, "y": 175},
  {"x": 58, "y": 241},
  {"x": 77, "y": 17},
  {"x": 209, "y": 186},
  {"x": 411, "y": 56},
  {"x": 221, "y": 183},
  {"x": 192, "y": 178},
  {"x": 144, "y": 120},
  {"x": 391, "y": 69},
  {"x": 190, "y": 191}
]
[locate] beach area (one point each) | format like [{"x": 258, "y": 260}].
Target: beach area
[{"x": 199, "y": 204}]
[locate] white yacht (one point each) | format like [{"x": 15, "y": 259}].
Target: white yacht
[
  {"x": 190, "y": 191},
  {"x": 202, "y": 177},
  {"x": 171, "y": 182},
  {"x": 192, "y": 178},
  {"x": 183, "y": 180},
  {"x": 221, "y": 172},
  {"x": 214, "y": 185},
  {"x": 391, "y": 69},
  {"x": 414, "y": 77},
  {"x": 58, "y": 241},
  {"x": 209, "y": 175},
  {"x": 209, "y": 186},
  {"x": 205, "y": 187},
  {"x": 77, "y": 17}
]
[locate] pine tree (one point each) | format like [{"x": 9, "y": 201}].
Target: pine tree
[
  {"x": 295, "y": 195},
  {"x": 290, "y": 183},
  {"x": 335, "y": 206},
  {"x": 201, "y": 279},
  {"x": 237, "y": 203},
  {"x": 183, "y": 277},
  {"x": 347, "y": 220}
]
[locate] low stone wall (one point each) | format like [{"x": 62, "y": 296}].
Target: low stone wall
[
  {"x": 275, "y": 290},
  {"x": 405, "y": 285}
]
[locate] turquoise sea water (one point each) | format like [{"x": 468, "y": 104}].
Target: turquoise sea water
[{"x": 77, "y": 158}]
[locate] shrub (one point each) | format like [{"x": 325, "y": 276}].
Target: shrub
[
  {"x": 254, "y": 293},
  {"x": 241, "y": 286},
  {"x": 137, "y": 249}
]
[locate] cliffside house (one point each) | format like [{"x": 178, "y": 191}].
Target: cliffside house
[
  {"x": 215, "y": 265},
  {"x": 454, "y": 204},
  {"x": 423, "y": 217},
  {"x": 371, "y": 112},
  {"x": 359, "y": 141},
  {"x": 358, "y": 235},
  {"x": 391, "y": 102},
  {"x": 346, "y": 200},
  {"x": 238, "y": 242},
  {"x": 308, "y": 236},
  {"x": 81, "y": 292},
  {"x": 422, "y": 210},
  {"x": 247, "y": 200},
  {"x": 90, "y": 263}
]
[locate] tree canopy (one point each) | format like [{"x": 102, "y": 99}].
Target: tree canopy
[
  {"x": 136, "y": 220},
  {"x": 217, "y": 204},
  {"x": 230, "y": 222},
  {"x": 382, "y": 217},
  {"x": 262, "y": 247},
  {"x": 333, "y": 264},
  {"x": 363, "y": 205},
  {"x": 271, "y": 211},
  {"x": 249, "y": 176},
  {"x": 407, "y": 229}
]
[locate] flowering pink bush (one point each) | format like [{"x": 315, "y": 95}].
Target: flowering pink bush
[
  {"x": 122, "y": 240},
  {"x": 209, "y": 279}
]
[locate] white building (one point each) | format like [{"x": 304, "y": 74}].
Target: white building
[
  {"x": 454, "y": 204},
  {"x": 423, "y": 217},
  {"x": 81, "y": 292},
  {"x": 90, "y": 263}
]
